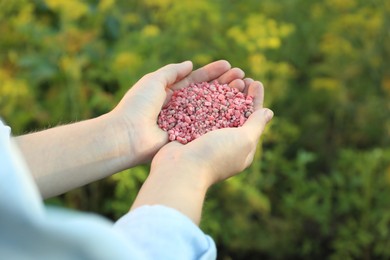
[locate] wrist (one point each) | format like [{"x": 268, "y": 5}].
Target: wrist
[
  {"x": 181, "y": 167},
  {"x": 175, "y": 187},
  {"x": 138, "y": 139},
  {"x": 121, "y": 135},
  {"x": 189, "y": 177}
]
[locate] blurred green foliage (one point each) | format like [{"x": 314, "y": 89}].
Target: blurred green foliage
[{"x": 319, "y": 187}]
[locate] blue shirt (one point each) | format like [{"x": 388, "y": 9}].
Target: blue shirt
[{"x": 29, "y": 230}]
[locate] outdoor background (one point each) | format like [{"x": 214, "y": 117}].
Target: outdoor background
[{"x": 319, "y": 187}]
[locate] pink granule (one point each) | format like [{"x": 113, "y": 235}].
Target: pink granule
[{"x": 201, "y": 108}]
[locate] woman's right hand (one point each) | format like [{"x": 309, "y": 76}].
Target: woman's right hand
[{"x": 221, "y": 153}]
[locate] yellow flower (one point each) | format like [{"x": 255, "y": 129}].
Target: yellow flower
[
  {"x": 341, "y": 5},
  {"x": 72, "y": 66},
  {"x": 325, "y": 83},
  {"x": 25, "y": 16},
  {"x": 150, "y": 31},
  {"x": 258, "y": 64},
  {"x": 260, "y": 33},
  {"x": 274, "y": 43},
  {"x": 126, "y": 60},
  {"x": 202, "y": 59},
  {"x": 10, "y": 87},
  {"x": 386, "y": 84},
  {"x": 70, "y": 9},
  {"x": 104, "y": 5}
]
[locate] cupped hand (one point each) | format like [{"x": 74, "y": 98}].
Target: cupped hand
[
  {"x": 222, "y": 153},
  {"x": 138, "y": 110}
]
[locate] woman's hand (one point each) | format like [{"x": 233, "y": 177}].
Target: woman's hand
[
  {"x": 221, "y": 153},
  {"x": 136, "y": 114},
  {"x": 181, "y": 174}
]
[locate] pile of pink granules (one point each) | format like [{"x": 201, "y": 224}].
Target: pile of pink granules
[{"x": 201, "y": 108}]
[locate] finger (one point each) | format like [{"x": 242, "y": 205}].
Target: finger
[
  {"x": 230, "y": 75},
  {"x": 257, "y": 121},
  {"x": 207, "y": 73},
  {"x": 171, "y": 73},
  {"x": 247, "y": 82},
  {"x": 256, "y": 90},
  {"x": 238, "y": 84}
]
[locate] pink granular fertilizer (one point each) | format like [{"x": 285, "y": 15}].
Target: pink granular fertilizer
[{"x": 201, "y": 108}]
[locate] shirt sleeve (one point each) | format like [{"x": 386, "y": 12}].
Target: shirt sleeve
[
  {"x": 29, "y": 230},
  {"x": 5, "y": 131},
  {"x": 165, "y": 234}
]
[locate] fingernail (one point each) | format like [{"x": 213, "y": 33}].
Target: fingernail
[{"x": 268, "y": 113}]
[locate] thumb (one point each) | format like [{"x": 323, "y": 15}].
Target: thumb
[
  {"x": 258, "y": 120},
  {"x": 172, "y": 73}
]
